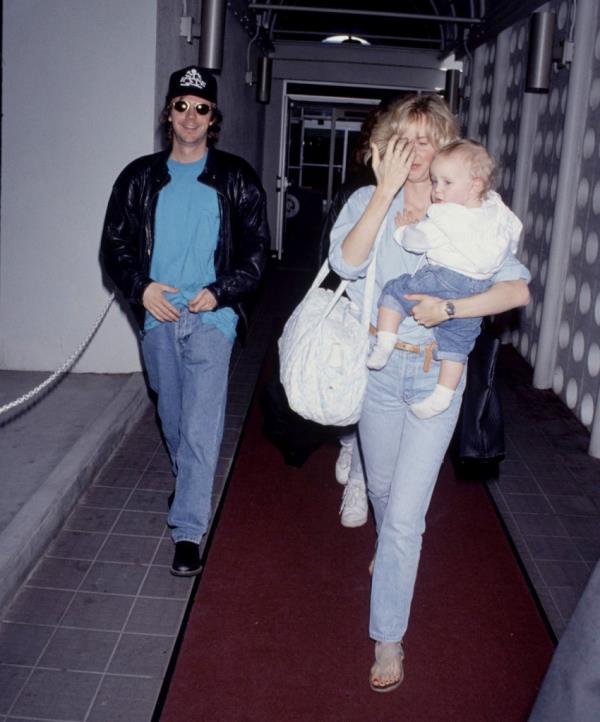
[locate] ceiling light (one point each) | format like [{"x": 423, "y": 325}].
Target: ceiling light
[{"x": 339, "y": 39}]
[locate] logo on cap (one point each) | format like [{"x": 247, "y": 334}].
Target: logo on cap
[{"x": 192, "y": 79}]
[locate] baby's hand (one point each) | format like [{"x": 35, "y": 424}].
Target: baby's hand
[{"x": 404, "y": 219}]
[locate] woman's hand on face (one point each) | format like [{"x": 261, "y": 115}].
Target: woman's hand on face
[
  {"x": 429, "y": 310},
  {"x": 392, "y": 170}
]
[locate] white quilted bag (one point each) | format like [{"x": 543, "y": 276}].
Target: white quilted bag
[{"x": 323, "y": 353}]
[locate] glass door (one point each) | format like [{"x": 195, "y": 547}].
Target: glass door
[{"x": 320, "y": 138}]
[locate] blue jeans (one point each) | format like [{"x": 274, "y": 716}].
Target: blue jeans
[
  {"x": 187, "y": 362},
  {"x": 456, "y": 337},
  {"x": 402, "y": 456}
]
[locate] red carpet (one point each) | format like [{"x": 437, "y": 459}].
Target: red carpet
[{"x": 278, "y": 631}]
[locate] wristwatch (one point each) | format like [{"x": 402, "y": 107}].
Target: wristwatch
[{"x": 449, "y": 309}]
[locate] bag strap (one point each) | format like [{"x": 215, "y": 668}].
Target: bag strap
[{"x": 369, "y": 283}]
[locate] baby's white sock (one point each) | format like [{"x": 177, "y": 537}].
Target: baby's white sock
[
  {"x": 434, "y": 404},
  {"x": 382, "y": 350}
]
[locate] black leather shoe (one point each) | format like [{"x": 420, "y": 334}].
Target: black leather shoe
[{"x": 186, "y": 562}]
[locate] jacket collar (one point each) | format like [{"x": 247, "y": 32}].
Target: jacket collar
[{"x": 215, "y": 171}]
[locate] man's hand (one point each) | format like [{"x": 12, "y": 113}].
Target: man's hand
[
  {"x": 203, "y": 301},
  {"x": 429, "y": 311},
  {"x": 154, "y": 301}
]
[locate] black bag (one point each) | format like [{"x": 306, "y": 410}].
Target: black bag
[
  {"x": 295, "y": 437},
  {"x": 479, "y": 435}
]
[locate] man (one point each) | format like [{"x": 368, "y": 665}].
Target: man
[{"x": 185, "y": 239}]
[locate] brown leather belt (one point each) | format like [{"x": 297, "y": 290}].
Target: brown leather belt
[{"x": 427, "y": 348}]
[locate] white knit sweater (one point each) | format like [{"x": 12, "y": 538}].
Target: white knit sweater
[{"x": 472, "y": 241}]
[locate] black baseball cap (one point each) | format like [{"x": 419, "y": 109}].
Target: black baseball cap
[{"x": 193, "y": 80}]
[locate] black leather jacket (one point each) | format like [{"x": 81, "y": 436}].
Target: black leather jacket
[{"x": 242, "y": 245}]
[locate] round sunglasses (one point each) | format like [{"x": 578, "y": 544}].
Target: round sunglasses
[{"x": 182, "y": 106}]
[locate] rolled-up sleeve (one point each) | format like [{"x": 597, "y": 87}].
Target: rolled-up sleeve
[
  {"x": 347, "y": 219},
  {"x": 512, "y": 270}
]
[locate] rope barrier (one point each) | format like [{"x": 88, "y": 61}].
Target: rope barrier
[{"x": 65, "y": 367}]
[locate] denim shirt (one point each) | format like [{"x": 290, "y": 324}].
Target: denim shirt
[{"x": 391, "y": 261}]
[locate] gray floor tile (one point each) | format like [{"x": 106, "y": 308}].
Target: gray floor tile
[
  {"x": 38, "y": 606},
  {"x": 76, "y": 544},
  {"x": 160, "y": 462},
  {"x": 546, "y": 468},
  {"x": 98, "y": 611},
  {"x": 159, "y": 480},
  {"x": 528, "y": 503},
  {"x": 57, "y": 694},
  {"x": 22, "y": 643},
  {"x": 12, "y": 680},
  {"x": 518, "y": 484},
  {"x": 127, "y": 459},
  {"x": 564, "y": 573},
  {"x": 586, "y": 527},
  {"x": 552, "y": 548},
  {"x": 141, "y": 523},
  {"x": 88, "y": 518},
  {"x": 588, "y": 548},
  {"x": 113, "y": 578},
  {"x": 141, "y": 654},
  {"x": 128, "y": 549},
  {"x": 574, "y": 504},
  {"x": 111, "y": 497},
  {"x": 156, "y": 616},
  {"x": 514, "y": 468},
  {"x": 125, "y": 699},
  {"x": 566, "y": 599},
  {"x": 59, "y": 573},
  {"x": 148, "y": 500},
  {"x": 126, "y": 478},
  {"x": 536, "y": 524},
  {"x": 81, "y": 650},
  {"x": 164, "y": 555},
  {"x": 160, "y": 583},
  {"x": 558, "y": 485}
]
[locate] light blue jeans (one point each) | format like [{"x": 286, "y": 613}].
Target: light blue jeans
[
  {"x": 402, "y": 456},
  {"x": 187, "y": 362}
]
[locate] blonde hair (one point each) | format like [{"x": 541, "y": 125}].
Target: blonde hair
[
  {"x": 441, "y": 124},
  {"x": 480, "y": 163}
]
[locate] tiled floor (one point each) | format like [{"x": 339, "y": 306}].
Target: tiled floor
[
  {"x": 90, "y": 634},
  {"x": 548, "y": 492}
]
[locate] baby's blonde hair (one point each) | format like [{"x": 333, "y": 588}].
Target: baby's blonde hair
[
  {"x": 441, "y": 124},
  {"x": 480, "y": 163}
]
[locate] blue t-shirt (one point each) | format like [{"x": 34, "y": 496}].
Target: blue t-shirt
[{"x": 185, "y": 238}]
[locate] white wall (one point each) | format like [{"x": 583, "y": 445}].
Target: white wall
[{"x": 79, "y": 103}]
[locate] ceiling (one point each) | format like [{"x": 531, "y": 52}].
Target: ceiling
[
  {"x": 441, "y": 25},
  {"x": 426, "y": 24}
]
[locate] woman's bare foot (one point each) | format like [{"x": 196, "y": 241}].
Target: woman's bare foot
[{"x": 388, "y": 671}]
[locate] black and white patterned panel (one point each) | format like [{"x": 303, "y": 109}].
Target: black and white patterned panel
[
  {"x": 485, "y": 102},
  {"x": 547, "y": 146},
  {"x": 466, "y": 85},
  {"x": 577, "y": 371},
  {"x": 511, "y": 115}
]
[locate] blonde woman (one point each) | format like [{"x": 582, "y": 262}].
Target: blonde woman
[{"x": 403, "y": 453}]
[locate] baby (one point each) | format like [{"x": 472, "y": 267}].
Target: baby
[{"x": 465, "y": 237}]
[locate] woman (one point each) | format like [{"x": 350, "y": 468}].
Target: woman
[{"x": 403, "y": 454}]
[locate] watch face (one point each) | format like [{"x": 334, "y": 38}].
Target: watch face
[{"x": 450, "y": 310}]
